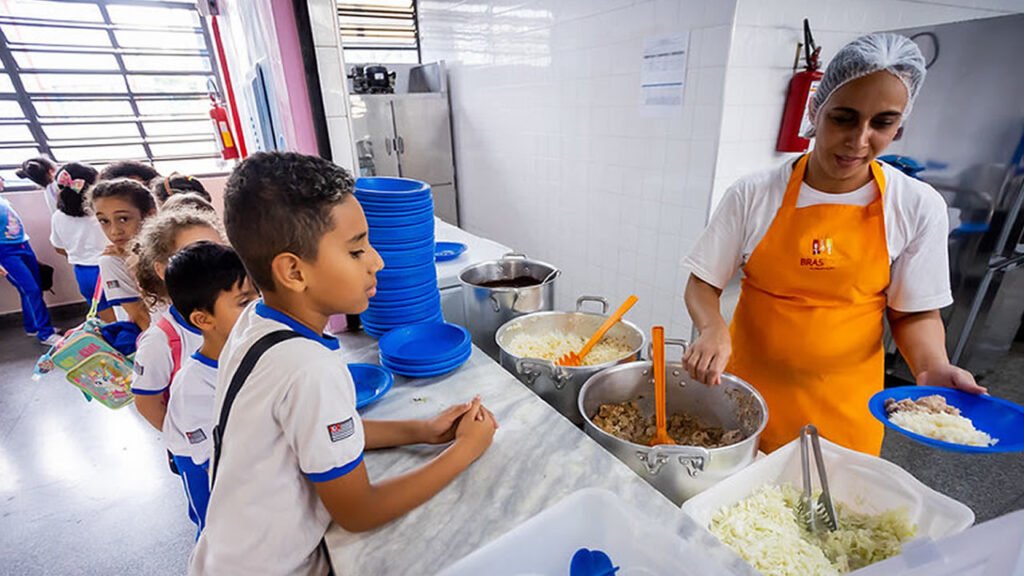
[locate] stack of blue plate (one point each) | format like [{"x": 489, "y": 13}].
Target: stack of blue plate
[
  {"x": 400, "y": 213},
  {"x": 425, "y": 350}
]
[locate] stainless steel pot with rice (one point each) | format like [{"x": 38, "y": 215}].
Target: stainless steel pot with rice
[
  {"x": 531, "y": 344},
  {"x": 717, "y": 428}
]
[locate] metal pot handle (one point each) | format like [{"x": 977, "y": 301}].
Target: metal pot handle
[
  {"x": 514, "y": 256},
  {"x": 677, "y": 342},
  {"x": 532, "y": 368},
  {"x": 693, "y": 458},
  {"x": 584, "y": 299}
]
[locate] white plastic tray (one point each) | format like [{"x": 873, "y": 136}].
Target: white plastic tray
[
  {"x": 590, "y": 518},
  {"x": 995, "y": 548},
  {"x": 865, "y": 483}
]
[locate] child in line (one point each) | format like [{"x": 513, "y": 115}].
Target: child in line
[
  {"x": 291, "y": 460},
  {"x": 76, "y": 234},
  {"x": 19, "y": 266},
  {"x": 121, "y": 206},
  {"x": 41, "y": 170},
  {"x": 170, "y": 339},
  {"x": 190, "y": 200},
  {"x": 133, "y": 169},
  {"x": 208, "y": 285},
  {"x": 168, "y": 186}
]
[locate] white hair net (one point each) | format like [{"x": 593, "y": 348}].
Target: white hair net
[{"x": 893, "y": 53}]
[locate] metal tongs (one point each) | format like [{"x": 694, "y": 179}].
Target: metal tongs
[{"x": 820, "y": 514}]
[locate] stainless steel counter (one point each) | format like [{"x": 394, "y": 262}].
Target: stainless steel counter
[{"x": 537, "y": 458}]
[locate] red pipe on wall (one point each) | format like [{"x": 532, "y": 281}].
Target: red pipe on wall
[{"x": 228, "y": 87}]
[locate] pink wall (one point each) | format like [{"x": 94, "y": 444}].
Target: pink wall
[{"x": 32, "y": 209}]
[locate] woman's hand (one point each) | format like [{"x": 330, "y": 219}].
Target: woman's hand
[
  {"x": 707, "y": 357},
  {"x": 950, "y": 376}
]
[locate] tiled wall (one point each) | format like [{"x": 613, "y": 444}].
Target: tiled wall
[
  {"x": 763, "y": 49},
  {"x": 330, "y": 61},
  {"x": 554, "y": 154}
]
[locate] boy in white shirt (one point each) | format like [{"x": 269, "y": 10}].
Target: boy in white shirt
[
  {"x": 209, "y": 287},
  {"x": 289, "y": 453}
]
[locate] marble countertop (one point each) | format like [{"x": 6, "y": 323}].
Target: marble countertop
[{"x": 537, "y": 458}]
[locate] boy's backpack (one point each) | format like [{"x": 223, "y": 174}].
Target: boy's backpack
[
  {"x": 174, "y": 342},
  {"x": 91, "y": 364}
]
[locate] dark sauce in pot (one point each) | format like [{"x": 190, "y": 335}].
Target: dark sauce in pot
[{"x": 517, "y": 282}]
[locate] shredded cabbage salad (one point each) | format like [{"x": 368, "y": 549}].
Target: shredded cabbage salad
[{"x": 764, "y": 529}]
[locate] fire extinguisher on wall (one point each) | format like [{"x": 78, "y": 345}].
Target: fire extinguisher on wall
[
  {"x": 222, "y": 127},
  {"x": 802, "y": 87}
]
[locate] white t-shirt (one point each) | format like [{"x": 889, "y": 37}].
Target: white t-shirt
[
  {"x": 153, "y": 360},
  {"x": 119, "y": 285},
  {"x": 916, "y": 228},
  {"x": 188, "y": 426},
  {"x": 50, "y": 196},
  {"x": 81, "y": 237},
  {"x": 293, "y": 423}
]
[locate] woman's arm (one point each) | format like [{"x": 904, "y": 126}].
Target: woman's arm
[
  {"x": 707, "y": 357},
  {"x": 921, "y": 338}
]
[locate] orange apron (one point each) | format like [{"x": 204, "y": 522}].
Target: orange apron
[{"x": 807, "y": 332}]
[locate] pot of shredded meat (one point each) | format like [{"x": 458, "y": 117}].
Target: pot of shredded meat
[
  {"x": 716, "y": 428},
  {"x": 531, "y": 344}
]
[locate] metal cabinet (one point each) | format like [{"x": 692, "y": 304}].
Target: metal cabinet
[{"x": 408, "y": 135}]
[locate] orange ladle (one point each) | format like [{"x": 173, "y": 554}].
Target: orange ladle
[
  {"x": 576, "y": 359},
  {"x": 658, "y": 360}
]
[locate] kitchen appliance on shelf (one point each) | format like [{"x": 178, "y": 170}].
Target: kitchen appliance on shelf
[
  {"x": 372, "y": 80},
  {"x": 409, "y": 134},
  {"x": 967, "y": 131}
]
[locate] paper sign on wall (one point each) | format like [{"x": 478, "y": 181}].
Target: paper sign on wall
[{"x": 663, "y": 71}]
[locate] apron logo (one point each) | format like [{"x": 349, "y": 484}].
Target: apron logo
[
  {"x": 821, "y": 246},
  {"x": 820, "y": 249}
]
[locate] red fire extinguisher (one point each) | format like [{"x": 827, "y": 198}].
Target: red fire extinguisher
[
  {"x": 802, "y": 87},
  {"x": 225, "y": 139}
]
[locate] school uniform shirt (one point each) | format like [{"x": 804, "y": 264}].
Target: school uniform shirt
[
  {"x": 119, "y": 285},
  {"x": 50, "y": 194},
  {"x": 916, "y": 229},
  {"x": 188, "y": 426},
  {"x": 293, "y": 424},
  {"x": 153, "y": 361},
  {"x": 12, "y": 231},
  {"x": 81, "y": 237}
]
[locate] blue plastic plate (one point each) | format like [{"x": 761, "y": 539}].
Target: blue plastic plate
[
  {"x": 445, "y": 251},
  {"x": 419, "y": 316},
  {"x": 397, "y": 295},
  {"x": 996, "y": 417},
  {"x": 389, "y": 184},
  {"x": 402, "y": 234},
  {"x": 395, "y": 307},
  {"x": 405, "y": 258},
  {"x": 425, "y": 372},
  {"x": 424, "y": 342},
  {"x": 380, "y": 330},
  {"x": 372, "y": 383},
  {"x": 400, "y": 220},
  {"x": 396, "y": 209}
]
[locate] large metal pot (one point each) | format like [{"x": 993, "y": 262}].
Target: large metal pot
[
  {"x": 678, "y": 472},
  {"x": 560, "y": 386},
  {"x": 490, "y": 296}
]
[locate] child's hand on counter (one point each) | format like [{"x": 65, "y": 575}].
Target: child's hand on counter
[
  {"x": 475, "y": 429},
  {"x": 441, "y": 428}
]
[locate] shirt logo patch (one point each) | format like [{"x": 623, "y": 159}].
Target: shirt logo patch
[
  {"x": 113, "y": 284},
  {"x": 196, "y": 436},
  {"x": 138, "y": 369},
  {"x": 341, "y": 430}
]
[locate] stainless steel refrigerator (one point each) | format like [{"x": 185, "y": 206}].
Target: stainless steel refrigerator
[
  {"x": 967, "y": 131},
  {"x": 408, "y": 135}
]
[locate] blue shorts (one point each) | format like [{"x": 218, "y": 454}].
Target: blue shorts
[
  {"x": 197, "y": 490},
  {"x": 86, "y": 276}
]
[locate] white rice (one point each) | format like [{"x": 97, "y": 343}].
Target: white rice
[
  {"x": 554, "y": 345},
  {"x": 950, "y": 428}
]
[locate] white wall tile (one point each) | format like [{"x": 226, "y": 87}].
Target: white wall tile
[
  {"x": 332, "y": 81},
  {"x": 341, "y": 143}
]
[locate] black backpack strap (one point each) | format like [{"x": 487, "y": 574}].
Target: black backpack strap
[{"x": 245, "y": 368}]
